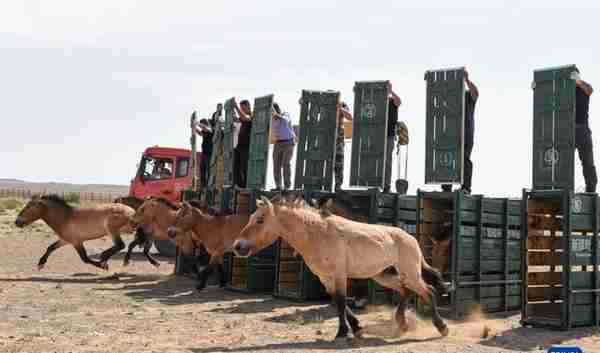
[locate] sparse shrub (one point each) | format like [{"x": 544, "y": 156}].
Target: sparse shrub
[
  {"x": 72, "y": 197},
  {"x": 11, "y": 204}
]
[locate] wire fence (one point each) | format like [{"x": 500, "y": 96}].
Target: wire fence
[{"x": 86, "y": 196}]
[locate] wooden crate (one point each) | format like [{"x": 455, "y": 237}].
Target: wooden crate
[
  {"x": 257, "y": 273},
  {"x": 485, "y": 251},
  {"x": 561, "y": 247},
  {"x": 294, "y": 279}
]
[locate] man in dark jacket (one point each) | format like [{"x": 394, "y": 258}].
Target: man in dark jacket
[{"x": 583, "y": 134}]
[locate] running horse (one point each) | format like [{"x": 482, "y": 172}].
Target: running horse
[
  {"x": 336, "y": 249},
  {"x": 216, "y": 232},
  {"x": 76, "y": 225}
]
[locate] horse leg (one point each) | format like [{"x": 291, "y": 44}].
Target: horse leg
[
  {"x": 147, "y": 246},
  {"x": 57, "y": 244},
  {"x": 118, "y": 245},
  {"x": 207, "y": 271},
  {"x": 393, "y": 281},
  {"x": 135, "y": 242},
  {"x": 339, "y": 294},
  {"x": 84, "y": 257},
  {"x": 428, "y": 294},
  {"x": 222, "y": 279},
  {"x": 354, "y": 323}
]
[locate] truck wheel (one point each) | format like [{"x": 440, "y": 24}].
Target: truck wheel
[{"x": 165, "y": 248}]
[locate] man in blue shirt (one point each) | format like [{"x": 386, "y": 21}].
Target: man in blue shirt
[{"x": 283, "y": 131}]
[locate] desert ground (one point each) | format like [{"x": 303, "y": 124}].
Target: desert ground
[{"x": 73, "y": 307}]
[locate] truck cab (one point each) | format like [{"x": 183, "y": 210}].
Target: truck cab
[{"x": 163, "y": 172}]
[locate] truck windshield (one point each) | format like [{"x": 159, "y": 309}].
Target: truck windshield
[{"x": 156, "y": 168}]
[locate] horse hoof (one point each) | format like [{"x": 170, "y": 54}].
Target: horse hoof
[
  {"x": 444, "y": 331},
  {"x": 341, "y": 339},
  {"x": 358, "y": 334},
  {"x": 104, "y": 265},
  {"x": 157, "y": 265},
  {"x": 40, "y": 267},
  {"x": 125, "y": 263}
]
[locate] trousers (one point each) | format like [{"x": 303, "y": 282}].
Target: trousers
[{"x": 282, "y": 158}]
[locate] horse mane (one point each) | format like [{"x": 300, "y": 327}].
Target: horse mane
[
  {"x": 57, "y": 200},
  {"x": 165, "y": 202},
  {"x": 297, "y": 202}
]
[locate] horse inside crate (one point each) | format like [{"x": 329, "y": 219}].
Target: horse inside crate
[{"x": 558, "y": 293}]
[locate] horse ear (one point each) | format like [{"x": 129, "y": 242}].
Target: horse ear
[
  {"x": 313, "y": 202},
  {"x": 266, "y": 201},
  {"x": 260, "y": 203},
  {"x": 435, "y": 242},
  {"x": 329, "y": 203}
]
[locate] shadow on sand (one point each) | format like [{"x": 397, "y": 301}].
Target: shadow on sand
[
  {"x": 258, "y": 303},
  {"x": 318, "y": 344},
  {"x": 526, "y": 339},
  {"x": 87, "y": 278}
]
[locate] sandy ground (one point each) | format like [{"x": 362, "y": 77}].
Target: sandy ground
[{"x": 73, "y": 307}]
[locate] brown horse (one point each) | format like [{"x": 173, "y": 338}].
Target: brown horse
[
  {"x": 153, "y": 217},
  {"x": 75, "y": 225},
  {"x": 336, "y": 248},
  {"x": 141, "y": 238},
  {"x": 441, "y": 250},
  {"x": 216, "y": 232}
]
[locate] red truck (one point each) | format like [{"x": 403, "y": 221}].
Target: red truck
[{"x": 164, "y": 172}]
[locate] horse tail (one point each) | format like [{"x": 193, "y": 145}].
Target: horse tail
[{"x": 434, "y": 278}]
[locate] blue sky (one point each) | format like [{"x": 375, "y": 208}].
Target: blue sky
[{"x": 86, "y": 86}]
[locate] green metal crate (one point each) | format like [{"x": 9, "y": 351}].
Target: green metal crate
[
  {"x": 316, "y": 147},
  {"x": 553, "y": 164},
  {"x": 486, "y": 243},
  {"x": 561, "y": 249}
]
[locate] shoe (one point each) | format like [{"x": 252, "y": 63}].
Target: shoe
[
  {"x": 466, "y": 191},
  {"x": 386, "y": 190},
  {"x": 447, "y": 188}
]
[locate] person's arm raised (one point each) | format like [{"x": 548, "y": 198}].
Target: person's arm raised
[{"x": 472, "y": 88}]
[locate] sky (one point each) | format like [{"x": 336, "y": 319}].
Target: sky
[{"x": 86, "y": 86}]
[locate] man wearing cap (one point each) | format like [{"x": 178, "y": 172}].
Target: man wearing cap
[
  {"x": 338, "y": 166},
  {"x": 283, "y": 150},
  {"x": 583, "y": 134}
]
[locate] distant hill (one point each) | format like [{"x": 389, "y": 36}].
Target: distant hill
[
  {"x": 11, "y": 181},
  {"x": 63, "y": 187}
]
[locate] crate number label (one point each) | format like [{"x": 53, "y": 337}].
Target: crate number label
[
  {"x": 576, "y": 205},
  {"x": 369, "y": 110},
  {"x": 446, "y": 159},
  {"x": 581, "y": 247},
  {"x": 551, "y": 156}
]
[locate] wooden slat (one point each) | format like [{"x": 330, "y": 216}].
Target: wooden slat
[
  {"x": 539, "y": 294},
  {"x": 543, "y": 206},
  {"x": 544, "y": 242},
  {"x": 537, "y": 258},
  {"x": 548, "y": 310},
  {"x": 543, "y": 222},
  {"x": 288, "y": 286},
  {"x": 544, "y": 278},
  {"x": 289, "y": 266},
  {"x": 288, "y": 276}
]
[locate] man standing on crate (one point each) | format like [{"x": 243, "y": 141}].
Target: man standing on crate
[
  {"x": 393, "y": 105},
  {"x": 583, "y": 134},
  {"x": 242, "y": 150},
  {"x": 470, "y": 99},
  {"x": 338, "y": 166},
  {"x": 283, "y": 150},
  {"x": 205, "y": 129}
]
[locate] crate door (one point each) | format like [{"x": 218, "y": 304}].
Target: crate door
[
  {"x": 316, "y": 147},
  {"x": 445, "y": 121},
  {"x": 553, "y": 129},
  {"x": 259, "y": 142},
  {"x": 228, "y": 132},
  {"x": 369, "y": 133}
]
